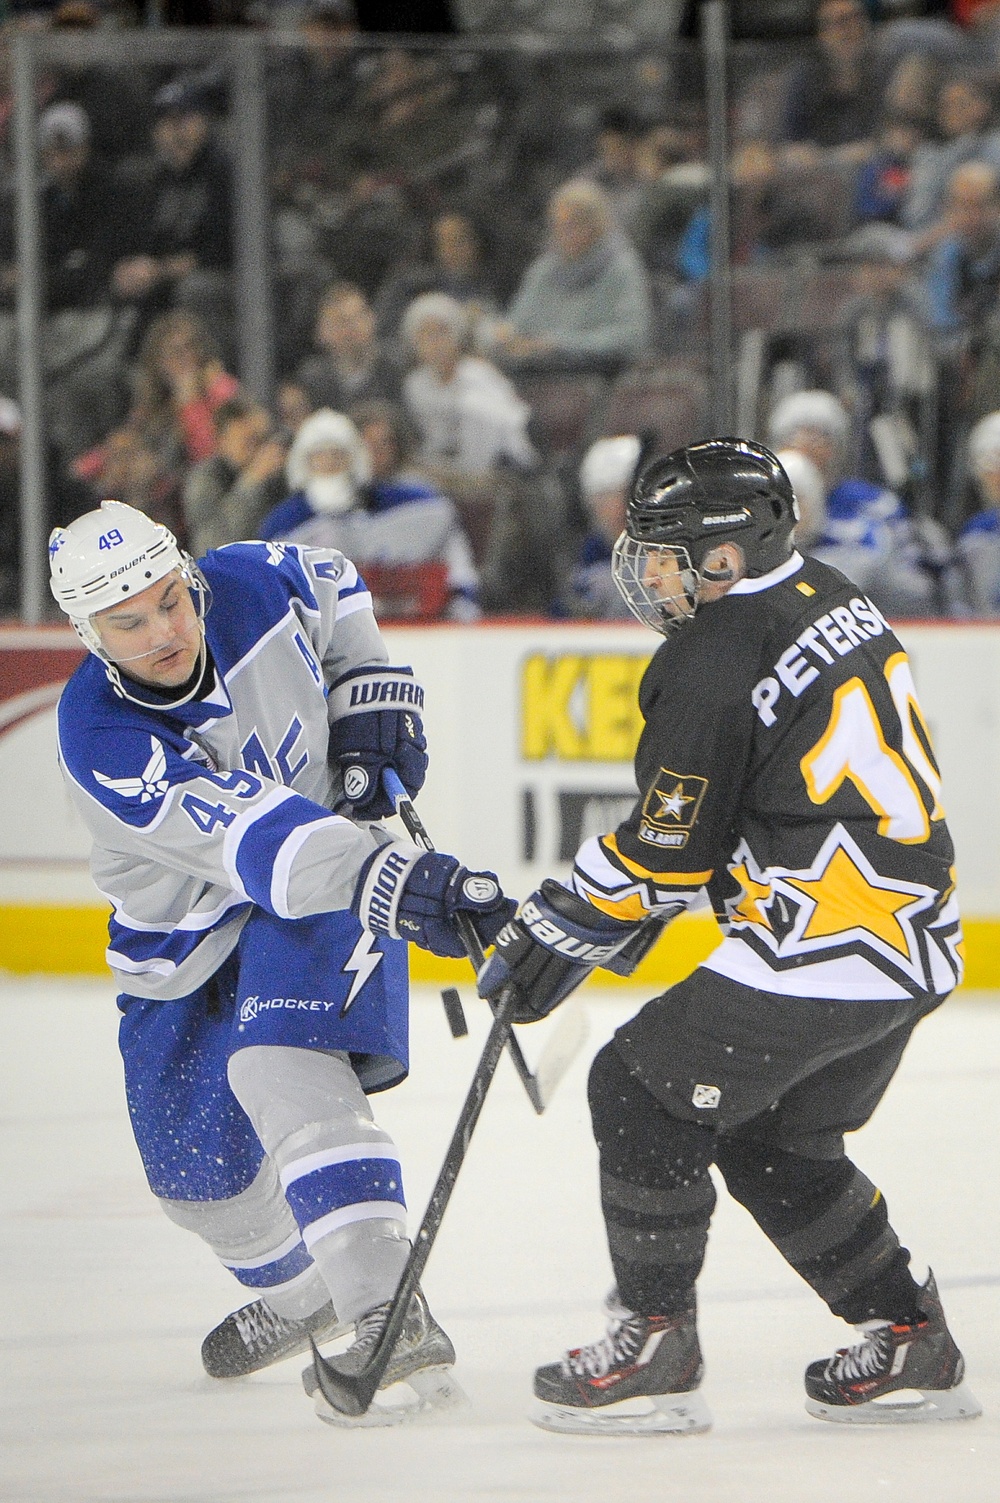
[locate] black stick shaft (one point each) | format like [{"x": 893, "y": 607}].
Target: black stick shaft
[
  {"x": 466, "y": 929},
  {"x": 352, "y": 1394}
]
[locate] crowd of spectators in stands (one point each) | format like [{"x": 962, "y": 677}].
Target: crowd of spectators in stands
[{"x": 490, "y": 273}]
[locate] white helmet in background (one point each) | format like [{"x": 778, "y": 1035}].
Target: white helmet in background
[
  {"x": 609, "y": 465},
  {"x": 984, "y": 445},
  {"x": 108, "y": 555},
  {"x": 810, "y": 492},
  {"x": 816, "y": 409}
]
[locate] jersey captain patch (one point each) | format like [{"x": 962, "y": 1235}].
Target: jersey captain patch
[{"x": 670, "y": 809}]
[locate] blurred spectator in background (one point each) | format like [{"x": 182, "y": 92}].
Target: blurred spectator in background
[
  {"x": 618, "y": 168},
  {"x": 584, "y": 304},
  {"x": 384, "y": 519},
  {"x": 179, "y": 383},
  {"x": 767, "y": 213},
  {"x": 886, "y": 366},
  {"x": 867, "y": 534},
  {"x": 351, "y": 365},
  {"x": 128, "y": 469},
  {"x": 115, "y": 97},
  {"x": 423, "y": 130},
  {"x": 292, "y": 405},
  {"x": 178, "y": 209},
  {"x": 883, "y": 181},
  {"x": 835, "y": 97},
  {"x": 83, "y": 343},
  {"x": 327, "y": 467},
  {"x": 468, "y": 415},
  {"x": 963, "y": 269},
  {"x": 966, "y": 132},
  {"x": 390, "y": 440},
  {"x": 911, "y": 93},
  {"x": 959, "y": 290},
  {"x": 471, "y": 423},
  {"x": 979, "y": 540},
  {"x": 606, "y": 474},
  {"x": 66, "y": 499},
  {"x": 79, "y": 214},
  {"x": 368, "y": 228},
  {"x": 314, "y": 94},
  {"x": 458, "y": 265},
  {"x": 677, "y": 181},
  {"x": 227, "y": 495}
]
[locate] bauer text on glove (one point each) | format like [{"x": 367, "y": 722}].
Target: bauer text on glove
[{"x": 555, "y": 941}]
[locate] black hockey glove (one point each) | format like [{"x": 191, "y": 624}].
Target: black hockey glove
[
  {"x": 415, "y": 895},
  {"x": 374, "y": 724},
  {"x": 552, "y": 945}
]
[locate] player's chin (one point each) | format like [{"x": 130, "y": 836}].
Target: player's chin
[{"x": 170, "y": 672}]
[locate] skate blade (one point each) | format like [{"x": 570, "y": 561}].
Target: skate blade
[
  {"x": 909, "y": 1406},
  {"x": 431, "y": 1390},
  {"x": 662, "y": 1414}
]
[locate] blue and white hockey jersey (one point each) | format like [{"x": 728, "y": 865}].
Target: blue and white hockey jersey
[{"x": 200, "y": 812}]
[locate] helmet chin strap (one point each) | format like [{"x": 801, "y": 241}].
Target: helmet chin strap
[{"x": 157, "y": 703}]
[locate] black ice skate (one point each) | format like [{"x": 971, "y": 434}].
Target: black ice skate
[
  {"x": 254, "y": 1337},
  {"x": 897, "y": 1374},
  {"x": 422, "y": 1360},
  {"x": 640, "y": 1378}
]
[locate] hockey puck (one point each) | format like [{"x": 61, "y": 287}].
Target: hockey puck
[{"x": 454, "y": 1012}]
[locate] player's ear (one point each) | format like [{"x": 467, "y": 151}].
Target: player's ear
[{"x": 723, "y": 565}]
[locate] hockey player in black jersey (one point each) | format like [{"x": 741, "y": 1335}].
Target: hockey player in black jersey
[{"x": 785, "y": 766}]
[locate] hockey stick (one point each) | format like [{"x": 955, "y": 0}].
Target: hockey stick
[
  {"x": 569, "y": 1035},
  {"x": 352, "y": 1393}
]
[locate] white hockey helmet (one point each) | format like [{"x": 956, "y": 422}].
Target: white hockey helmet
[{"x": 108, "y": 555}]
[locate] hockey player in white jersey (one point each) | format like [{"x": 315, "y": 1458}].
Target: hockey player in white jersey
[{"x": 225, "y": 742}]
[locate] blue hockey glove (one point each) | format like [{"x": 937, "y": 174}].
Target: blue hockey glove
[
  {"x": 375, "y": 723},
  {"x": 552, "y": 945},
  {"x": 415, "y": 895}
]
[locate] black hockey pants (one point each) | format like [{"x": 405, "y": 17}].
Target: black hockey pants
[{"x": 765, "y": 1088}]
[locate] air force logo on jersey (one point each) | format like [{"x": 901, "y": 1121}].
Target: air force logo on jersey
[
  {"x": 671, "y": 808},
  {"x": 149, "y": 785}
]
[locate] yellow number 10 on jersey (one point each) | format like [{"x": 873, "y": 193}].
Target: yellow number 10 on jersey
[{"x": 854, "y": 747}]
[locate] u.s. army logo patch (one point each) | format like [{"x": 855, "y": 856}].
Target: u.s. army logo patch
[{"x": 670, "y": 809}]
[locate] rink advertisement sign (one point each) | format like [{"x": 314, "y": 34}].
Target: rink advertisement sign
[
  {"x": 532, "y": 729},
  {"x": 576, "y": 708}
]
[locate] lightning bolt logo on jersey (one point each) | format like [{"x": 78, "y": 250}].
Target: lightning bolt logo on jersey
[{"x": 786, "y": 765}]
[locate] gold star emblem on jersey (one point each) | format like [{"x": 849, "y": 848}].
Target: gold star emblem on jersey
[
  {"x": 670, "y": 808},
  {"x": 749, "y": 909},
  {"x": 846, "y": 899}
]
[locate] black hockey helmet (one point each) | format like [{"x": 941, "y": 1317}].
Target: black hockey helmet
[{"x": 722, "y": 490}]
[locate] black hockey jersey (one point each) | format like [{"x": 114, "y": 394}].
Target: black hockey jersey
[{"x": 786, "y": 766}]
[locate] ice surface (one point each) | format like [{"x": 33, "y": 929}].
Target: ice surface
[{"x": 105, "y": 1302}]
